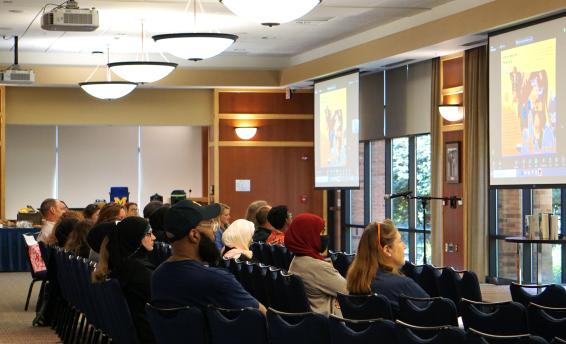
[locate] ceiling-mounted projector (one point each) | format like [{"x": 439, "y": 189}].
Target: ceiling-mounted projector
[
  {"x": 69, "y": 17},
  {"x": 14, "y": 74}
]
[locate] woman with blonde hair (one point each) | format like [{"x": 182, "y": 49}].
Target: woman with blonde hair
[
  {"x": 220, "y": 224},
  {"x": 375, "y": 269},
  {"x": 237, "y": 239}
]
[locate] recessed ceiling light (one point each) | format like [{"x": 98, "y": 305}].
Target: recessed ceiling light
[
  {"x": 94, "y": 52},
  {"x": 5, "y": 28},
  {"x": 7, "y": 1},
  {"x": 15, "y": 11}
]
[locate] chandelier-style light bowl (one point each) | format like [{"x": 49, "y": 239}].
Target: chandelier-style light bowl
[
  {"x": 108, "y": 90},
  {"x": 270, "y": 12},
  {"x": 194, "y": 46},
  {"x": 142, "y": 71}
]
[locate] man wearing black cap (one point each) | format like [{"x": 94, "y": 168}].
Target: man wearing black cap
[{"x": 186, "y": 279}]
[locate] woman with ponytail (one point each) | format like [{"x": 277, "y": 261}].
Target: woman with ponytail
[
  {"x": 381, "y": 253},
  {"x": 124, "y": 254}
]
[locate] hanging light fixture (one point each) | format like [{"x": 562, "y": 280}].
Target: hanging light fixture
[
  {"x": 194, "y": 46},
  {"x": 142, "y": 71},
  {"x": 107, "y": 90},
  {"x": 270, "y": 12}
]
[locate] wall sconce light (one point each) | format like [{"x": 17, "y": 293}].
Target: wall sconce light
[
  {"x": 246, "y": 133},
  {"x": 451, "y": 112}
]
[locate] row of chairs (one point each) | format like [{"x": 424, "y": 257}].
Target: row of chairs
[
  {"x": 270, "y": 285},
  {"x": 89, "y": 312},
  {"x": 173, "y": 325},
  {"x": 272, "y": 255},
  {"x": 445, "y": 282},
  {"x": 549, "y": 295}
]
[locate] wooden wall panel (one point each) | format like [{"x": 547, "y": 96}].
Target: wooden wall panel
[
  {"x": 270, "y": 129},
  {"x": 453, "y": 75},
  {"x": 252, "y": 102},
  {"x": 280, "y": 175},
  {"x": 454, "y": 218}
]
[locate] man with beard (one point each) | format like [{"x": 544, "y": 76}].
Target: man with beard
[{"x": 187, "y": 277}]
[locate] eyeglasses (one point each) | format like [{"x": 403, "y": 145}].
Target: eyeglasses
[
  {"x": 149, "y": 231},
  {"x": 289, "y": 215}
]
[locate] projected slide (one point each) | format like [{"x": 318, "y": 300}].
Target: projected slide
[
  {"x": 528, "y": 81},
  {"x": 527, "y": 118},
  {"x": 337, "y": 133}
]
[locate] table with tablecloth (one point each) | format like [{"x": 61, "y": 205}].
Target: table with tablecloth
[{"x": 13, "y": 254}]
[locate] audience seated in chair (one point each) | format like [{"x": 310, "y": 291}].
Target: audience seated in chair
[
  {"x": 124, "y": 255},
  {"x": 279, "y": 219},
  {"x": 252, "y": 211},
  {"x": 381, "y": 253},
  {"x": 307, "y": 239},
  {"x": 76, "y": 242},
  {"x": 237, "y": 239},
  {"x": 186, "y": 278},
  {"x": 91, "y": 212},
  {"x": 265, "y": 232},
  {"x": 63, "y": 228},
  {"x": 221, "y": 223},
  {"x": 51, "y": 211}
]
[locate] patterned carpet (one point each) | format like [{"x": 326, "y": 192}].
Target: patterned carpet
[{"x": 15, "y": 323}]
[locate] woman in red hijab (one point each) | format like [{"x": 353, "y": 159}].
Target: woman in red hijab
[{"x": 307, "y": 239}]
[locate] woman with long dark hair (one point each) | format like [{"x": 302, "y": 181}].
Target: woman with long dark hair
[{"x": 124, "y": 254}]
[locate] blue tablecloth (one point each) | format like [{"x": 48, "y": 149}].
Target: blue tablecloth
[{"x": 13, "y": 255}]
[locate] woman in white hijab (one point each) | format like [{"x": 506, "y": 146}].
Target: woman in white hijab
[{"x": 237, "y": 239}]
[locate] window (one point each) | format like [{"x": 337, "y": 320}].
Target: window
[
  {"x": 507, "y": 214},
  {"x": 394, "y": 165}
]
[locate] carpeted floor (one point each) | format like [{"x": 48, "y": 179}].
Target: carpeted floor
[{"x": 15, "y": 323}]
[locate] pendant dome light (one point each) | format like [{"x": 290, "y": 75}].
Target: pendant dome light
[
  {"x": 142, "y": 71},
  {"x": 195, "y": 46},
  {"x": 270, "y": 12},
  {"x": 107, "y": 90}
]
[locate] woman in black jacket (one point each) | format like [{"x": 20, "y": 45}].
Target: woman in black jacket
[{"x": 124, "y": 255}]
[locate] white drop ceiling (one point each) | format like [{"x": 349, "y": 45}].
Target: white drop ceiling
[{"x": 332, "y": 26}]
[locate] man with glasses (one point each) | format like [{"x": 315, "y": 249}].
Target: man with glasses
[{"x": 187, "y": 277}]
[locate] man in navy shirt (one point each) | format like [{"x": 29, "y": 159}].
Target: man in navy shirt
[{"x": 186, "y": 279}]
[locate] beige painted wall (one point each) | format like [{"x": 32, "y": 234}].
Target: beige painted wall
[{"x": 72, "y": 106}]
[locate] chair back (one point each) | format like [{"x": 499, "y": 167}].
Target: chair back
[
  {"x": 245, "y": 325},
  {"x": 411, "y": 334},
  {"x": 427, "y": 312},
  {"x": 259, "y": 276},
  {"x": 292, "y": 289},
  {"x": 341, "y": 261},
  {"x": 470, "y": 286},
  {"x": 411, "y": 270},
  {"x": 549, "y": 295},
  {"x": 281, "y": 256},
  {"x": 173, "y": 325},
  {"x": 246, "y": 277},
  {"x": 557, "y": 340},
  {"x": 547, "y": 322},
  {"x": 33, "y": 253},
  {"x": 373, "y": 331},
  {"x": 297, "y": 328},
  {"x": 364, "y": 307},
  {"x": 448, "y": 284},
  {"x": 427, "y": 279},
  {"x": 478, "y": 337},
  {"x": 502, "y": 318},
  {"x": 276, "y": 299}
]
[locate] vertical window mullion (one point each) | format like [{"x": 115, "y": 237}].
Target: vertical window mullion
[
  {"x": 412, "y": 186},
  {"x": 367, "y": 183}
]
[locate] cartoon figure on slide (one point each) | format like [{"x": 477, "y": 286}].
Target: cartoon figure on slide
[{"x": 537, "y": 123}]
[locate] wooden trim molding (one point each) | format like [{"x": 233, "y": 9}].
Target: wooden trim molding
[
  {"x": 266, "y": 144},
  {"x": 264, "y": 116}
]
